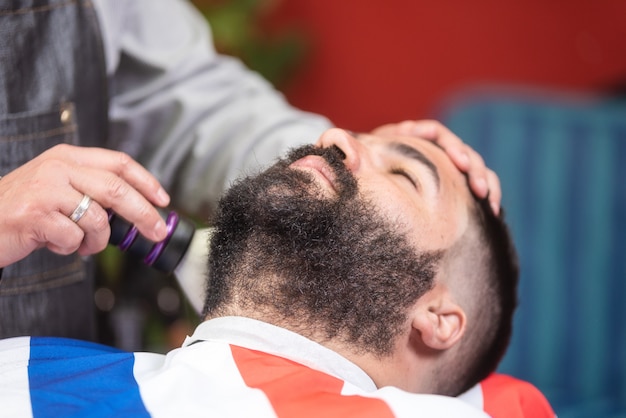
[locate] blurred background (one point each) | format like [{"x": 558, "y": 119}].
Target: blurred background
[
  {"x": 364, "y": 63},
  {"x": 537, "y": 87}
]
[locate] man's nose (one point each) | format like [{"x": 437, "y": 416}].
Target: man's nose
[{"x": 346, "y": 142}]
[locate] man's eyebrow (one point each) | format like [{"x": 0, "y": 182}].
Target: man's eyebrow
[{"x": 410, "y": 152}]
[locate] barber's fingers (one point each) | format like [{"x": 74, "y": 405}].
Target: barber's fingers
[
  {"x": 59, "y": 234},
  {"x": 476, "y": 171},
  {"x": 483, "y": 181},
  {"x": 120, "y": 164},
  {"x": 111, "y": 191},
  {"x": 64, "y": 237},
  {"x": 433, "y": 131},
  {"x": 495, "y": 191},
  {"x": 45, "y": 221},
  {"x": 115, "y": 181},
  {"x": 93, "y": 225}
]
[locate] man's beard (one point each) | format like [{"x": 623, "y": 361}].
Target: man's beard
[{"x": 329, "y": 267}]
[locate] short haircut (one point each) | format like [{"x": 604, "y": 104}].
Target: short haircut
[{"x": 492, "y": 273}]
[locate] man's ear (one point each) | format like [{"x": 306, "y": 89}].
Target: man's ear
[{"x": 439, "y": 319}]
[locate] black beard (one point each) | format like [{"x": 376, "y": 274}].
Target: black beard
[{"x": 325, "y": 266}]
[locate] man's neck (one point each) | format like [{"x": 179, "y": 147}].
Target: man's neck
[{"x": 401, "y": 369}]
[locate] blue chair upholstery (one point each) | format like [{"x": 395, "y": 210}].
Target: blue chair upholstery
[{"x": 562, "y": 164}]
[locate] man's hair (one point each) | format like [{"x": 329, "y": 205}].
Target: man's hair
[{"x": 491, "y": 275}]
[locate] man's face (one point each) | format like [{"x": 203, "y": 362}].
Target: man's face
[
  {"x": 412, "y": 182},
  {"x": 337, "y": 238}
]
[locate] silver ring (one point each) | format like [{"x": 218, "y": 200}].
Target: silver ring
[{"x": 81, "y": 209}]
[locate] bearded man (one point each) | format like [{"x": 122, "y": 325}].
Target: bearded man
[{"x": 357, "y": 277}]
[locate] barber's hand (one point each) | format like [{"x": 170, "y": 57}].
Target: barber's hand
[
  {"x": 37, "y": 199},
  {"x": 482, "y": 180}
]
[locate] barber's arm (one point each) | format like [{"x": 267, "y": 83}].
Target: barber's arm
[
  {"x": 193, "y": 117},
  {"x": 38, "y": 199},
  {"x": 198, "y": 119}
]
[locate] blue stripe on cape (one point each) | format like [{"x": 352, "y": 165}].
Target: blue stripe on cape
[{"x": 75, "y": 378}]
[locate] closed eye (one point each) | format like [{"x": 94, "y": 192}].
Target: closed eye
[{"x": 402, "y": 172}]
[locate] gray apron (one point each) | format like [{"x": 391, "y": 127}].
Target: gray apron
[{"x": 52, "y": 90}]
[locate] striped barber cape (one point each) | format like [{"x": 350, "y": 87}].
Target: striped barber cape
[{"x": 230, "y": 367}]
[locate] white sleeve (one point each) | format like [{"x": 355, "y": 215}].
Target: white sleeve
[
  {"x": 15, "y": 393},
  {"x": 194, "y": 118}
]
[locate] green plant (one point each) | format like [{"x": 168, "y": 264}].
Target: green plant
[{"x": 238, "y": 30}]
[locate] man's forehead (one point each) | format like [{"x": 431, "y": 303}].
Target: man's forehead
[
  {"x": 413, "y": 146},
  {"x": 413, "y": 142},
  {"x": 442, "y": 160},
  {"x": 431, "y": 150}
]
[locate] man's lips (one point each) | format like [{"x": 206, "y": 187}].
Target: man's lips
[{"x": 320, "y": 170}]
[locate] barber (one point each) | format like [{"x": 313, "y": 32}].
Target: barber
[{"x": 92, "y": 92}]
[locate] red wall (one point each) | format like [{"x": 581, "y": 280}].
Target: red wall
[{"x": 376, "y": 61}]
